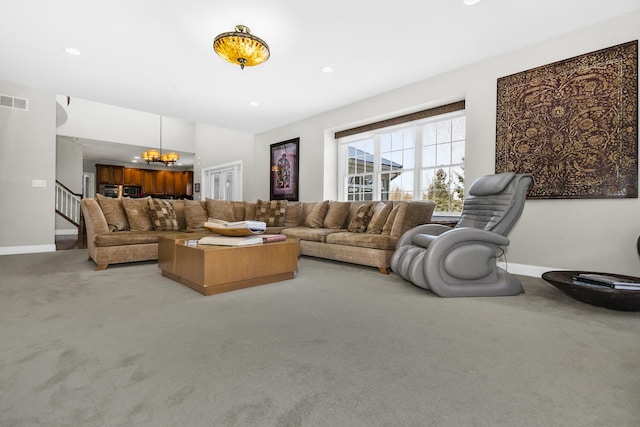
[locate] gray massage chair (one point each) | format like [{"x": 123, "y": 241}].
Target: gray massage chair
[{"x": 461, "y": 261}]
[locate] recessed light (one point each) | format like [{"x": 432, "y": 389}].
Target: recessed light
[
  {"x": 327, "y": 70},
  {"x": 134, "y": 161},
  {"x": 72, "y": 51},
  {"x": 471, "y": 2},
  {"x": 254, "y": 103}
]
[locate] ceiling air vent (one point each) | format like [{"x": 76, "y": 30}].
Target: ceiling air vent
[{"x": 13, "y": 102}]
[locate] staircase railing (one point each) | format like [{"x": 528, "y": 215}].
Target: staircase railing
[
  {"x": 68, "y": 207},
  {"x": 68, "y": 204}
]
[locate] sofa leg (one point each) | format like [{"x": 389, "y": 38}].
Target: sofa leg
[
  {"x": 384, "y": 270},
  {"x": 101, "y": 267}
]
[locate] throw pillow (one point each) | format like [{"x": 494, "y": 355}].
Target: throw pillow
[
  {"x": 195, "y": 214},
  {"x": 361, "y": 219},
  {"x": 336, "y": 215},
  {"x": 272, "y": 212},
  {"x": 138, "y": 214},
  {"x": 388, "y": 225},
  {"x": 163, "y": 216},
  {"x": 220, "y": 209},
  {"x": 317, "y": 212},
  {"x": 293, "y": 215},
  {"x": 113, "y": 212},
  {"x": 379, "y": 218}
]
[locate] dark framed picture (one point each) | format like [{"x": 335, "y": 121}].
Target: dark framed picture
[
  {"x": 196, "y": 187},
  {"x": 284, "y": 170}
]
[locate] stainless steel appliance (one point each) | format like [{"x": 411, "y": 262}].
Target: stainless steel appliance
[
  {"x": 131, "y": 190},
  {"x": 110, "y": 190}
]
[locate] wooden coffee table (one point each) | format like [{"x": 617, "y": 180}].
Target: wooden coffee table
[{"x": 212, "y": 269}]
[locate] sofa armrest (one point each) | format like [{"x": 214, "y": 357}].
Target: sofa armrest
[
  {"x": 417, "y": 212},
  {"x": 94, "y": 219}
]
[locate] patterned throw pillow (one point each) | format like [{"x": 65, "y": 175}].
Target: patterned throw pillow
[
  {"x": 113, "y": 212},
  {"x": 361, "y": 219},
  {"x": 138, "y": 214},
  {"x": 163, "y": 215},
  {"x": 272, "y": 212},
  {"x": 379, "y": 218}
]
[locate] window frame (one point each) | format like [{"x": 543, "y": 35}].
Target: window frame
[{"x": 417, "y": 127}]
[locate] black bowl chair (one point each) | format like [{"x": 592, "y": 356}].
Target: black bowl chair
[{"x": 461, "y": 261}]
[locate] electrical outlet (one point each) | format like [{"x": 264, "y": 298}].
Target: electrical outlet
[{"x": 41, "y": 183}]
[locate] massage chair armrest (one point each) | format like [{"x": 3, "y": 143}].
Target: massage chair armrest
[
  {"x": 460, "y": 258},
  {"x": 466, "y": 235},
  {"x": 429, "y": 229}
]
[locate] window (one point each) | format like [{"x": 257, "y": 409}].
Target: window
[{"x": 415, "y": 160}]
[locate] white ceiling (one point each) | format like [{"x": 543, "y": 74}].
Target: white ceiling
[{"x": 156, "y": 56}]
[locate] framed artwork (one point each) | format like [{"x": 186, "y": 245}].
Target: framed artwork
[
  {"x": 573, "y": 125},
  {"x": 284, "y": 170}
]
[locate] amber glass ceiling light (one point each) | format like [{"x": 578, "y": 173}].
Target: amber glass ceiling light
[
  {"x": 240, "y": 47},
  {"x": 157, "y": 156}
]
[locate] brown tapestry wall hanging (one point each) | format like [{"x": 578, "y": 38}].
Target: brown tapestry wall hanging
[{"x": 573, "y": 125}]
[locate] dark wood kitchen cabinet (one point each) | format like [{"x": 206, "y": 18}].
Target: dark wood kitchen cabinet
[
  {"x": 108, "y": 174},
  {"x": 153, "y": 182},
  {"x": 148, "y": 182},
  {"x": 133, "y": 176}
]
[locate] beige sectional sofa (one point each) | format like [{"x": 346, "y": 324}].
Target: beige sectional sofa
[{"x": 127, "y": 230}]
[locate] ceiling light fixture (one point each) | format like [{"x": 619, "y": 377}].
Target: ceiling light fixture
[
  {"x": 241, "y": 47},
  {"x": 471, "y": 2},
  {"x": 327, "y": 70},
  {"x": 72, "y": 51},
  {"x": 157, "y": 156}
]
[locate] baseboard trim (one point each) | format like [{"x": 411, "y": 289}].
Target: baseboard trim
[
  {"x": 16, "y": 250},
  {"x": 525, "y": 269},
  {"x": 67, "y": 232}
]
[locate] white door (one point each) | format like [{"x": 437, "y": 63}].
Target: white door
[{"x": 223, "y": 182}]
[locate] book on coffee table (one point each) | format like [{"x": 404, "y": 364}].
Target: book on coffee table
[
  {"x": 230, "y": 241},
  {"x": 236, "y": 228}
]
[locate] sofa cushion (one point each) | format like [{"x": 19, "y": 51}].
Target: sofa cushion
[
  {"x": 126, "y": 238},
  {"x": 359, "y": 222},
  {"x": 138, "y": 213},
  {"x": 388, "y": 224},
  {"x": 113, "y": 212},
  {"x": 272, "y": 212},
  {"x": 379, "y": 218},
  {"x": 249, "y": 211},
  {"x": 195, "y": 214},
  {"x": 163, "y": 216},
  {"x": 336, "y": 215},
  {"x": 238, "y": 210},
  {"x": 293, "y": 214},
  {"x": 314, "y": 213},
  {"x": 220, "y": 209},
  {"x": 362, "y": 240},
  {"x": 308, "y": 233}
]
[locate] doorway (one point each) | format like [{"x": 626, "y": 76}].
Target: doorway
[{"x": 222, "y": 182}]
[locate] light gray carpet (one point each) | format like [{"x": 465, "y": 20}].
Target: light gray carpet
[{"x": 340, "y": 345}]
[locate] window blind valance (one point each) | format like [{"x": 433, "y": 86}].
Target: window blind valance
[{"x": 443, "y": 109}]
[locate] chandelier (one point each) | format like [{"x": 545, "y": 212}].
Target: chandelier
[
  {"x": 241, "y": 47},
  {"x": 157, "y": 156}
]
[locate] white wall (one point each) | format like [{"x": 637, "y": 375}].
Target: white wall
[
  {"x": 102, "y": 122},
  {"x": 569, "y": 234},
  {"x": 27, "y": 153},
  {"x": 217, "y": 146}
]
